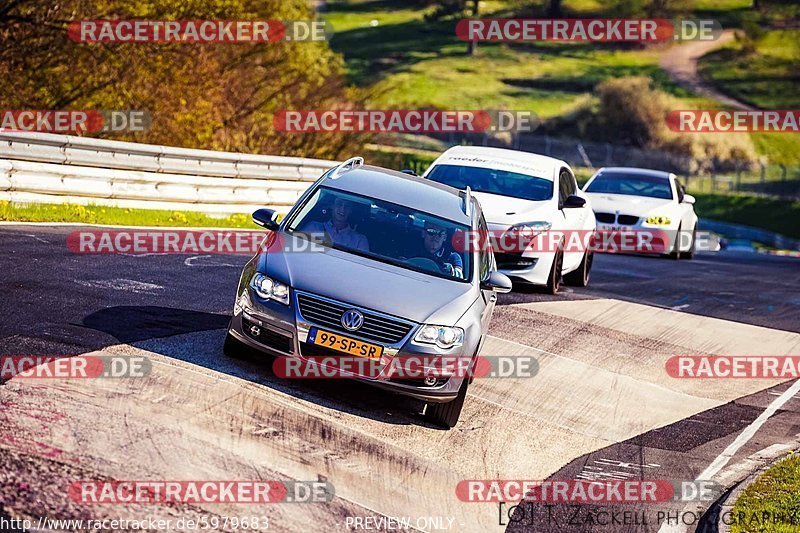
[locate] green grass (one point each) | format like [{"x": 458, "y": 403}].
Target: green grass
[
  {"x": 776, "y": 492},
  {"x": 411, "y": 62},
  {"x": 407, "y": 61},
  {"x": 780, "y": 216},
  {"x": 767, "y": 78},
  {"x": 93, "y": 214},
  {"x": 773, "y": 215},
  {"x": 779, "y": 148}
]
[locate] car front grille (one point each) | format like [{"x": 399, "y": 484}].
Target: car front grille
[
  {"x": 627, "y": 220},
  {"x": 376, "y": 328},
  {"x": 606, "y": 218}
]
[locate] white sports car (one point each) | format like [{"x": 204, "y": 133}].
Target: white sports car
[
  {"x": 636, "y": 199},
  {"x": 529, "y": 194}
]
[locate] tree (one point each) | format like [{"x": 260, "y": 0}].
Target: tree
[
  {"x": 472, "y": 46},
  {"x": 216, "y": 96},
  {"x": 554, "y": 8}
]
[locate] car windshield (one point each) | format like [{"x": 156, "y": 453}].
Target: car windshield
[
  {"x": 493, "y": 181},
  {"x": 631, "y": 184},
  {"x": 383, "y": 231}
]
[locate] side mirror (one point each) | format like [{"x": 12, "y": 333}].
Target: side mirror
[
  {"x": 688, "y": 199},
  {"x": 409, "y": 172},
  {"x": 573, "y": 200},
  {"x": 497, "y": 282},
  {"x": 266, "y": 219}
]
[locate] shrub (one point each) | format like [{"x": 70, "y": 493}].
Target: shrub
[{"x": 631, "y": 111}]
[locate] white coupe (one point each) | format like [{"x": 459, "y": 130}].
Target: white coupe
[
  {"x": 525, "y": 194},
  {"x": 636, "y": 199}
]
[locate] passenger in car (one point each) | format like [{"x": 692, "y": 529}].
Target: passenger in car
[
  {"x": 338, "y": 228},
  {"x": 434, "y": 238}
]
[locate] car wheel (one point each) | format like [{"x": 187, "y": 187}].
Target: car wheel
[
  {"x": 233, "y": 348},
  {"x": 676, "y": 251},
  {"x": 554, "y": 280},
  {"x": 580, "y": 276},
  {"x": 690, "y": 253},
  {"x": 447, "y": 414}
]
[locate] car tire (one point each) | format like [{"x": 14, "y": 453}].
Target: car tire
[
  {"x": 676, "y": 252},
  {"x": 554, "y": 279},
  {"x": 690, "y": 253},
  {"x": 233, "y": 348},
  {"x": 580, "y": 276},
  {"x": 447, "y": 414}
]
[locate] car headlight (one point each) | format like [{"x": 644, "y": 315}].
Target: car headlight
[
  {"x": 269, "y": 289},
  {"x": 531, "y": 228},
  {"x": 658, "y": 220},
  {"x": 442, "y": 336}
]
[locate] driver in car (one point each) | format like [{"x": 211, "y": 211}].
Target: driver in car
[
  {"x": 338, "y": 228},
  {"x": 434, "y": 238}
]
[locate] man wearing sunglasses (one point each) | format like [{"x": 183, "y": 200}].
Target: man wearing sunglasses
[{"x": 434, "y": 239}]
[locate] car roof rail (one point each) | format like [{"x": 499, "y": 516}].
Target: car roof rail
[
  {"x": 468, "y": 201},
  {"x": 350, "y": 164}
]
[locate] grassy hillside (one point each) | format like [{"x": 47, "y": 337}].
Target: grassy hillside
[{"x": 409, "y": 61}]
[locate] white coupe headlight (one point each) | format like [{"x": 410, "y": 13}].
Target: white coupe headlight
[
  {"x": 269, "y": 289},
  {"x": 658, "y": 220},
  {"x": 531, "y": 228},
  {"x": 444, "y": 337}
]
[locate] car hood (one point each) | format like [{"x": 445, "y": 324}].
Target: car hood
[
  {"x": 371, "y": 284},
  {"x": 505, "y": 211},
  {"x": 626, "y": 204}
]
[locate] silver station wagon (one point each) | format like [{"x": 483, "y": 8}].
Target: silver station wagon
[{"x": 367, "y": 268}]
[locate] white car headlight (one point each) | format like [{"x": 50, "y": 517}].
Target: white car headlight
[
  {"x": 658, "y": 220},
  {"x": 444, "y": 337},
  {"x": 269, "y": 289},
  {"x": 531, "y": 228}
]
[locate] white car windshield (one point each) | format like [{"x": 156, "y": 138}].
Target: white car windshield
[
  {"x": 631, "y": 184},
  {"x": 493, "y": 181},
  {"x": 385, "y": 232}
]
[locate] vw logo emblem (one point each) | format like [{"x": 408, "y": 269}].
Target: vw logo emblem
[{"x": 352, "y": 319}]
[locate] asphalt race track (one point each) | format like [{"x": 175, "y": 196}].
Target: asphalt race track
[{"x": 600, "y": 407}]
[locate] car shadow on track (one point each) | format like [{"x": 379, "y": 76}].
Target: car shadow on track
[{"x": 196, "y": 337}]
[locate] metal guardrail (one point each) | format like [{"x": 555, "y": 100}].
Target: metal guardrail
[
  {"x": 749, "y": 233},
  {"x": 48, "y": 168}
]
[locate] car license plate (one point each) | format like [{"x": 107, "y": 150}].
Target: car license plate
[
  {"x": 608, "y": 227},
  {"x": 343, "y": 344}
]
